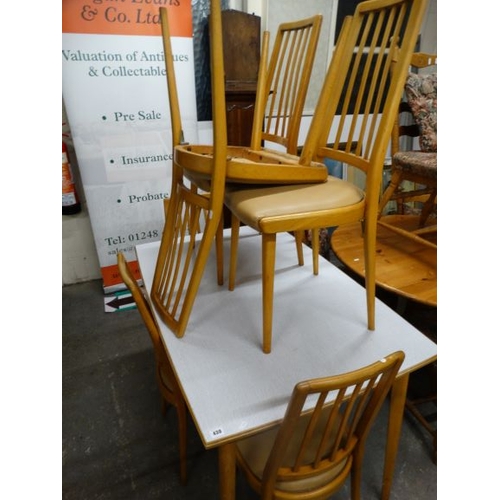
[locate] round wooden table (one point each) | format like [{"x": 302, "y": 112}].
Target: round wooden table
[{"x": 403, "y": 266}]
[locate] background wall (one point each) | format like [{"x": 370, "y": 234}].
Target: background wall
[{"x": 79, "y": 256}]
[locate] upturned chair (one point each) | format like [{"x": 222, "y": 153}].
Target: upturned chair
[
  {"x": 167, "y": 383},
  {"x": 197, "y": 192},
  {"x": 322, "y": 438},
  {"x": 281, "y": 91},
  {"x": 199, "y": 176},
  {"x": 417, "y": 165},
  {"x": 357, "y": 105}
]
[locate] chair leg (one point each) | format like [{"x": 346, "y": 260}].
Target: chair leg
[
  {"x": 396, "y": 413},
  {"x": 268, "y": 262},
  {"x": 299, "y": 237},
  {"x": 370, "y": 234},
  {"x": 356, "y": 473},
  {"x": 182, "y": 423},
  {"x": 160, "y": 383},
  {"x": 219, "y": 252},
  {"x": 315, "y": 250},
  {"x": 389, "y": 191},
  {"x": 227, "y": 471},
  {"x": 233, "y": 258},
  {"x": 427, "y": 208}
]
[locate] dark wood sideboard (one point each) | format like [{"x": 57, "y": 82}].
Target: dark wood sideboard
[{"x": 241, "y": 39}]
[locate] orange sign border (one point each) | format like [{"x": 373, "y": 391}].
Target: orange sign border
[{"x": 125, "y": 17}]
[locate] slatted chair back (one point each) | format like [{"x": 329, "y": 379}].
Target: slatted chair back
[
  {"x": 283, "y": 83},
  {"x": 359, "y": 102},
  {"x": 322, "y": 436}
]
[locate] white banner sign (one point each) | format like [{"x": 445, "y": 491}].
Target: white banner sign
[{"x": 115, "y": 94}]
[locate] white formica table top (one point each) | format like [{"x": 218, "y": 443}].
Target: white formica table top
[{"x": 231, "y": 387}]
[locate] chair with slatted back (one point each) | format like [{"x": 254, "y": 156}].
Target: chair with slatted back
[
  {"x": 321, "y": 440},
  {"x": 281, "y": 91},
  {"x": 196, "y": 200},
  {"x": 351, "y": 124},
  {"x": 165, "y": 378},
  {"x": 414, "y": 167},
  {"x": 283, "y": 83},
  {"x": 198, "y": 182}
]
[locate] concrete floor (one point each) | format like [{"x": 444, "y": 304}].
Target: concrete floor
[{"x": 117, "y": 445}]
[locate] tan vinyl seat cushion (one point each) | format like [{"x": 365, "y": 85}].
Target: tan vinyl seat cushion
[
  {"x": 256, "y": 450},
  {"x": 256, "y": 203}
]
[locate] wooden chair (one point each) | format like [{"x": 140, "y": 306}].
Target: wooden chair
[
  {"x": 417, "y": 119},
  {"x": 283, "y": 83},
  {"x": 165, "y": 378},
  {"x": 358, "y": 104},
  {"x": 281, "y": 91},
  {"x": 198, "y": 183},
  {"x": 322, "y": 437},
  {"x": 196, "y": 196},
  {"x": 282, "y": 87}
]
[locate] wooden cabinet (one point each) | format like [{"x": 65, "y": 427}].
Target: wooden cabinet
[
  {"x": 241, "y": 40},
  {"x": 240, "y": 103}
]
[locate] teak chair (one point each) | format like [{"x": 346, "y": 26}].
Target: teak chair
[
  {"x": 198, "y": 183},
  {"x": 417, "y": 119},
  {"x": 291, "y": 61},
  {"x": 312, "y": 452},
  {"x": 183, "y": 254},
  {"x": 358, "y": 103},
  {"x": 165, "y": 377},
  {"x": 283, "y": 83}
]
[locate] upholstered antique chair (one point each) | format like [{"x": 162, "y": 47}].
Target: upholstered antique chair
[
  {"x": 351, "y": 124},
  {"x": 414, "y": 152},
  {"x": 321, "y": 440},
  {"x": 167, "y": 383}
]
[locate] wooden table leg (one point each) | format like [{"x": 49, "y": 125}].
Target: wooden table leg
[
  {"x": 227, "y": 472},
  {"x": 396, "y": 413}
]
